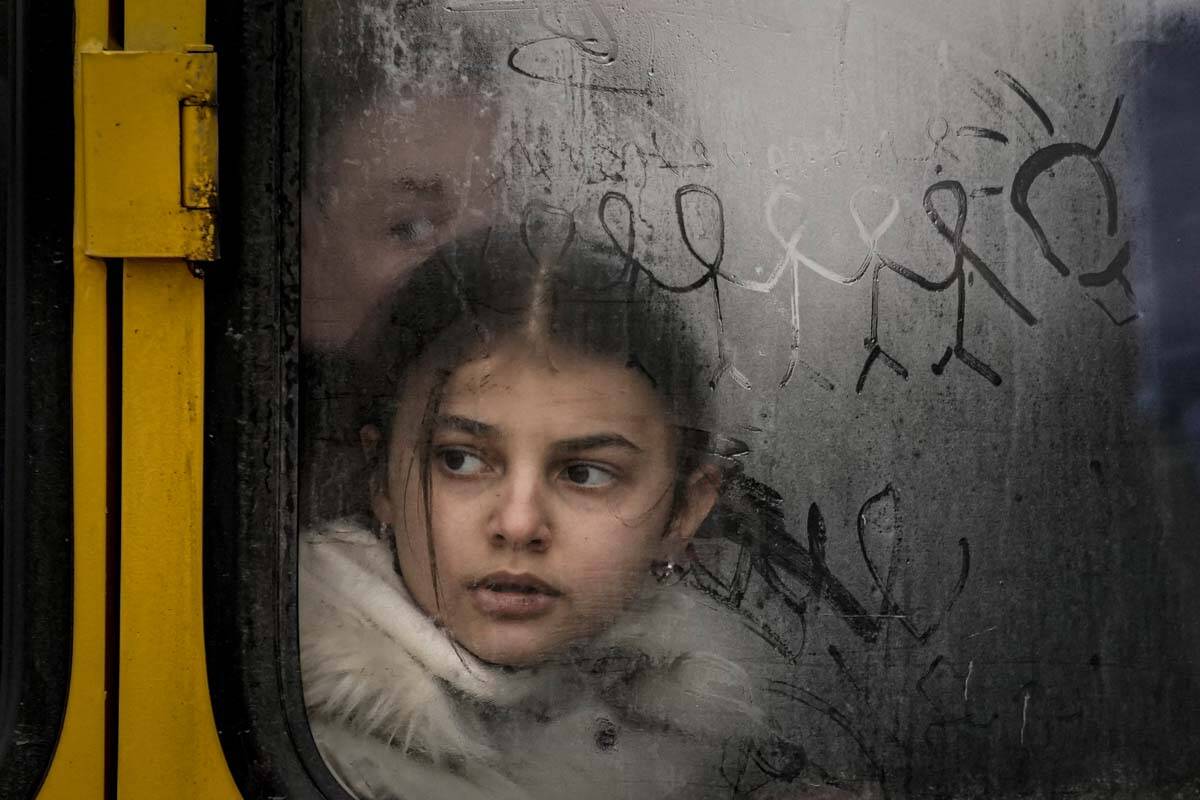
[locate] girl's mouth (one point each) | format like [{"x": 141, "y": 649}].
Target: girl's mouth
[{"x": 508, "y": 595}]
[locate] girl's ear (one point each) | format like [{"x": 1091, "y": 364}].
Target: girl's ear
[
  {"x": 372, "y": 444},
  {"x": 699, "y": 496}
]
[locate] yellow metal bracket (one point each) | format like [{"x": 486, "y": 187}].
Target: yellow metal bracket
[
  {"x": 139, "y": 722},
  {"x": 149, "y": 128}
]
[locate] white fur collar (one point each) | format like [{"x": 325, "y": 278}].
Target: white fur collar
[{"x": 375, "y": 664}]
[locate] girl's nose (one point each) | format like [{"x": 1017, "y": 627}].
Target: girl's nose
[{"x": 520, "y": 520}]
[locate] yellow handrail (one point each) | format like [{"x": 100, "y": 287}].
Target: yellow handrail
[{"x": 166, "y": 743}]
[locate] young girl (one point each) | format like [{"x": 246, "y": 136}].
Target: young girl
[{"x": 511, "y": 623}]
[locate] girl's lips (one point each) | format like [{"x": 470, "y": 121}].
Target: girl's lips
[
  {"x": 511, "y": 605},
  {"x": 513, "y": 595}
]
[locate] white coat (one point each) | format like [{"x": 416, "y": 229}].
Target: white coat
[{"x": 657, "y": 707}]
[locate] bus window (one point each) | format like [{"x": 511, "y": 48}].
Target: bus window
[{"x": 741, "y": 400}]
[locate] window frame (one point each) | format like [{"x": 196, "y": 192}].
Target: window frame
[{"x": 252, "y": 369}]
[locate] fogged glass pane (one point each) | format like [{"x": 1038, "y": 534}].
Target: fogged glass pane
[{"x": 757, "y": 399}]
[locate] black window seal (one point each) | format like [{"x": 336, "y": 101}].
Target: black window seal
[
  {"x": 251, "y": 373},
  {"x": 36, "y": 579}
]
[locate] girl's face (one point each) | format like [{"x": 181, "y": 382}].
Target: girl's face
[{"x": 552, "y": 479}]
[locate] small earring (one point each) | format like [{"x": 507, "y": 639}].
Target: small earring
[
  {"x": 666, "y": 571},
  {"x": 385, "y": 531}
]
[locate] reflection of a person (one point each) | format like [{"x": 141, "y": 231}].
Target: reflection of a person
[{"x": 397, "y": 159}]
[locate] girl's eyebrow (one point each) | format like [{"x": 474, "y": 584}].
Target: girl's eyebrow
[
  {"x": 596, "y": 441},
  {"x": 593, "y": 441},
  {"x": 465, "y": 425}
]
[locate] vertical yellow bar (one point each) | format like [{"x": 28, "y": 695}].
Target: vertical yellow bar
[
  {"x": 77, "y": 771},
  {"x": 163, "y": 25},
  {"x": 167, "y": 743}
]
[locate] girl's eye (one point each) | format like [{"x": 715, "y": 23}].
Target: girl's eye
[
  {"x": 461, "y": 462},
  {"x": 588, "y": 475}
]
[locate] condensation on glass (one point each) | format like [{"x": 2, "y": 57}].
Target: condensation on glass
[{"x": 748, "y": 399}]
